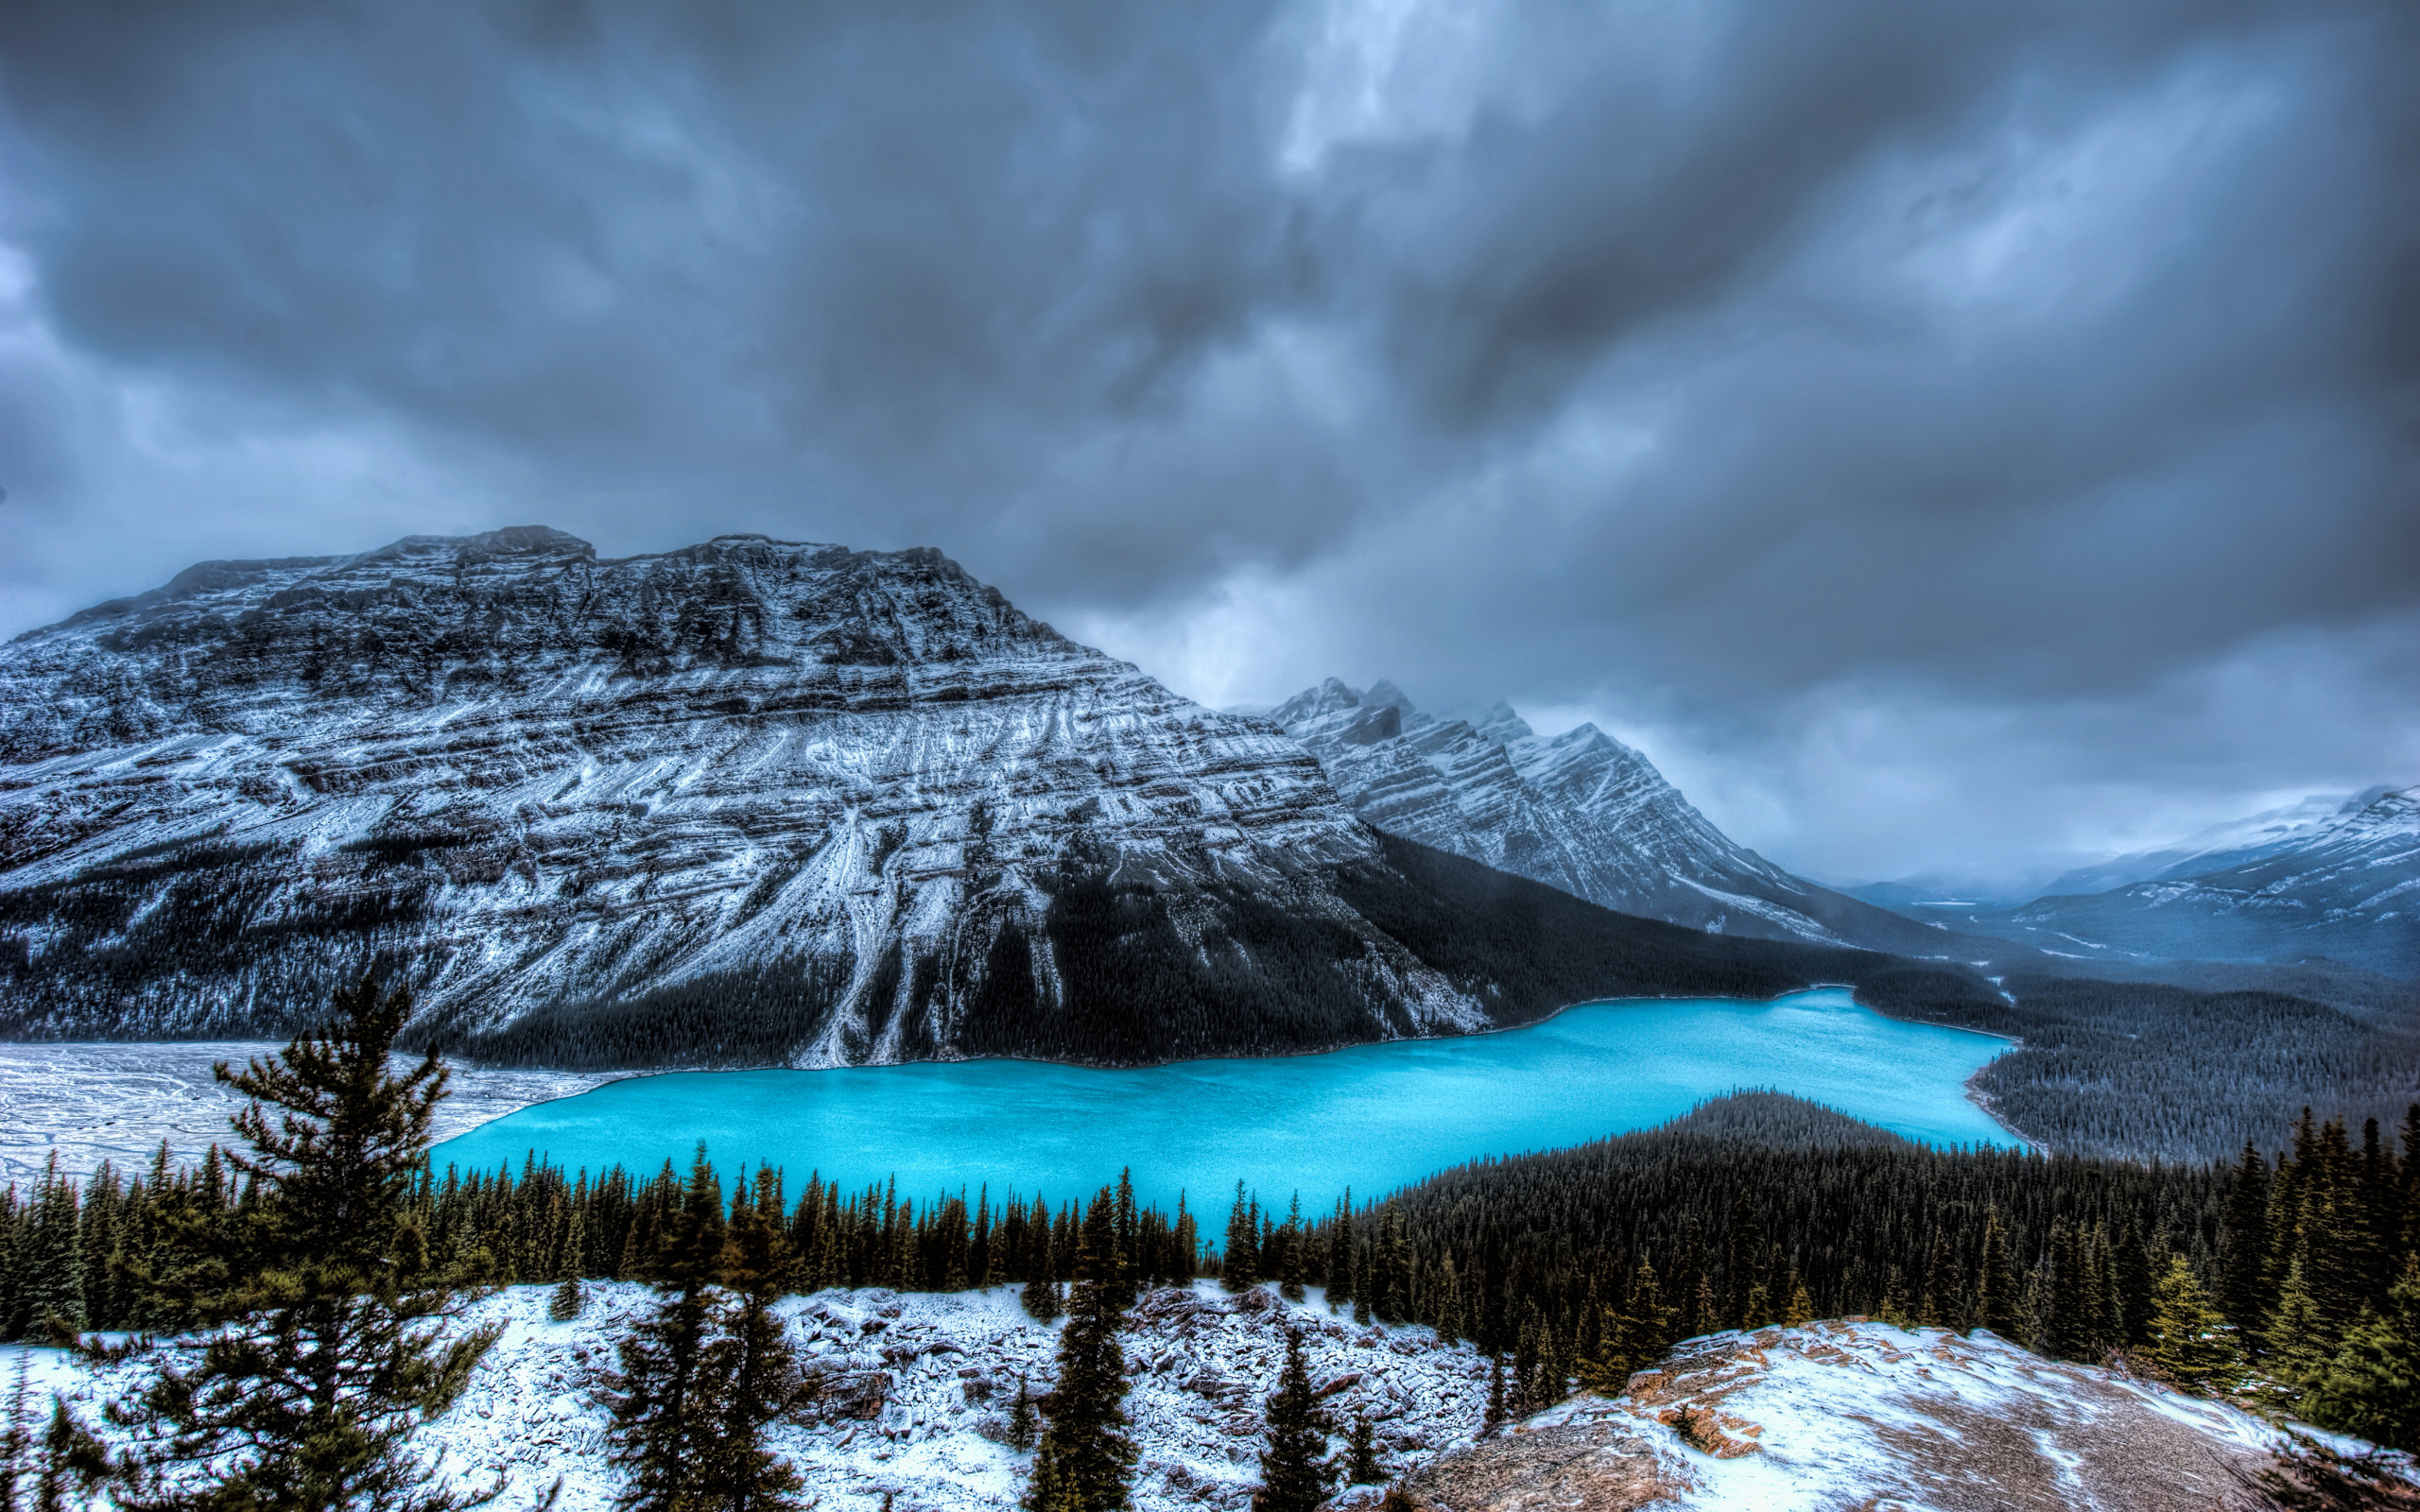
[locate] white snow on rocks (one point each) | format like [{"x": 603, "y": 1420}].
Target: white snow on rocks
[
  {"x": 1863, "y": 1414},
  {"x": 915, "y": 1390}
]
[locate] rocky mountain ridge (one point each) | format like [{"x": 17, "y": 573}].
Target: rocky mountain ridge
[
  {"x": 747, "y": 803},
  {"x": 1579, "y": 811},
  {"x": 824, "y": 782},
  {"x": 2346, "y": 888}
]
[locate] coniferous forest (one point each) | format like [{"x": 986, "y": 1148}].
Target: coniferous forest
[{"x": 2288, "y": 1279}]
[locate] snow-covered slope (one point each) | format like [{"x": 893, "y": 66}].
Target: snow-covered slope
[
  {"x": 2348, "y": 888},
  {"x": 1578, "y": 811},
  {"x": 1864, "y": 1415},
  {"x": 911, "y": 1391},
  {"x": 910, "y": 1394},
  {"x": 2232, "y": 843},
  {"x": 748, "y": 800}
]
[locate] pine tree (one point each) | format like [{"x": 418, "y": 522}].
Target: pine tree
[
  {"x": 1999, "y": 1305},
  {"x": 2244, "y": 1244},
  {"x": 2297, "y": 1340},
  {"x": 1340, "y": 1252},
  {"x": 1087, "y": 1458},
  {"x": 1362, "y": 1453},
  {"x": 665, "y": 1416},
  {"x": 2190, "y": 1341},
  {"x": 1240, "y": 1267},
  {"x": 1290, "y": 1480},
  {"x": 2372, "y": 1387},
  {"x": 1801, "y": 1307},
  {"x": 318, "y": 1353},
  {"x": 1021, "y": 1424},
  {"x": 754, "y": 1360},
  {"x": 1289, "y": 1253},
  {"x": 567, "y": 1301},
  {"x": 1496, "y": 1405}
]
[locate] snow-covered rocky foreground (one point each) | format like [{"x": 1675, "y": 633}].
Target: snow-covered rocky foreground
[
  {"x": 913, "y": 1392},
  {"x": 1862, "y": 1415}
]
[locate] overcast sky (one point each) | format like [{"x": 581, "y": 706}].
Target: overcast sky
[{"x": 1943, "y": 435}]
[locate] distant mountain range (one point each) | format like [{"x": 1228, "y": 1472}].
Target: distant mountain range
[
  {"x": 2332, "y": 880},
  {"x": 753, "y": 801},
  {"x": 1578, "y": 811}
]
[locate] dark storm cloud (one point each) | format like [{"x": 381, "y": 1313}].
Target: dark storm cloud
[{"x": 1732, "y": 365}]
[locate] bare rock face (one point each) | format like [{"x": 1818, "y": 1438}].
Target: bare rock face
[
  {"x": 1557, "y": 1466},
  {"x": 746, "y": 801}
]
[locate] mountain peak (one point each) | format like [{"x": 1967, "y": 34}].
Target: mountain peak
[{"x": 1502, "y": 725}]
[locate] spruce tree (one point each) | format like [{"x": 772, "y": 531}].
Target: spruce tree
[
  {"x": 566, "y": 1301},
  {"x": 666, "y": 1413},
  {"x": 1021, "y": 1424},
  {"x": 1800, "y": 1310},
  {"x": 317, "y": 1351},
  {"x": 2000, "y": 1304},
  {"x": 753, "y": 1362},
  {"x": 2244, "y": 1244},
  {"x": 2190, "y": 1341},
  {"x": 2296, "y": 1335},
  {"x": 1940, "y": 1305},
  {"x": 1290, "y": 1252},
  {"x": 51, "y": 1263},
  {"x": 1362, "y": 1453},
  {"x": 1240, "y": 1261},
  {"x": 2372, "y": 1387},
  {"x": 1290, "y": 1478},
  {"x": 1087, "y": 1458},
  {"x": 1340, "y": 1252}
]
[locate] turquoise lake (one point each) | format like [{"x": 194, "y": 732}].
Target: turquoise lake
[{"x": 1373, "y": 1117}]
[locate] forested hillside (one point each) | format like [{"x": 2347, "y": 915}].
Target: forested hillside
[
  {"x": 2142, "y": 1070},
  {"x": 1577, "y": 1264}
]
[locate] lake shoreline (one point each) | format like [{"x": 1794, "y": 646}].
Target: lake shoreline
[{"x": 1369, "y": 1115}]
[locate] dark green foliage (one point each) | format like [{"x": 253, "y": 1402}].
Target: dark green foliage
[
  {"x": 1086, "y": 1460},
  {"x": 567, "y": 1301},
  {"x": 2371, "y": 1388},
  {"x": 1291, "y": 1479},
  {"x": 751, "y": 1017},
  {"x": 753, "y": 1362},
  {"x": 2101, "y": 1064},
  {"x": 318, "y": 1352},
  {"x": 1292, "y": 1259},
  {"x": 49, "y": 1260},
  {"x": 666, "y": 1412},
  {"x": 2189, "y": 1342},
  {"x": 1022, "y": 1432},
  {"x": 1361, "y": 1454},
  {"x": 1240, "y": 1260}
]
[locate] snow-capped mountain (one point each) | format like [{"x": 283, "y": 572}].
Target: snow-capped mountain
[
  {"x": 1578, "y": 811},
  {"x": 2346, "y": 888},
  {"x": 2232, "y": 843},
  {"x": 748, "y": 800}
]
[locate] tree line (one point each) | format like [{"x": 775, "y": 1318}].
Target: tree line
[{"x": 322, "y": 1234}]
